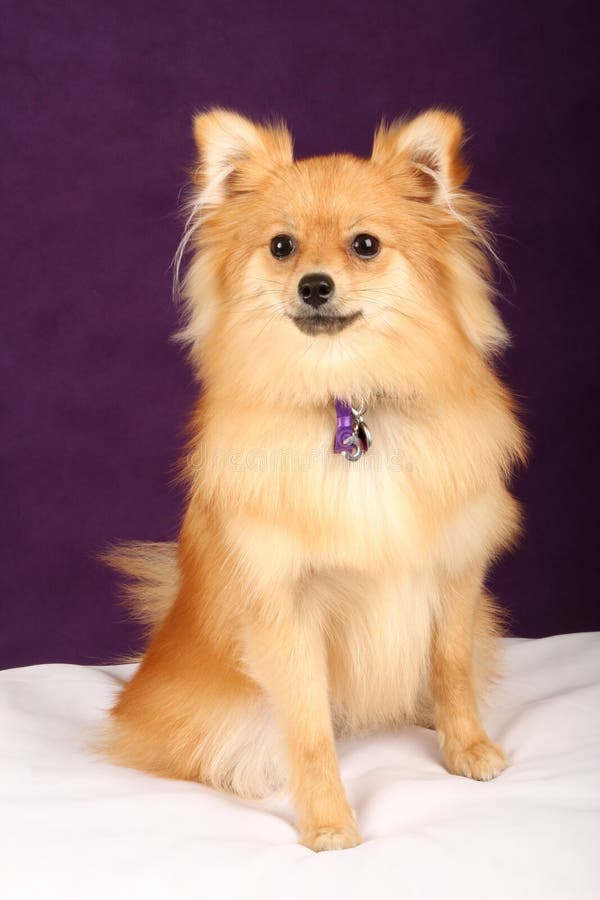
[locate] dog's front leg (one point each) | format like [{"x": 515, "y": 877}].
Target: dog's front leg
[
  {"x": 285, "y": 652},
  {"x": 466, "y": 747}
]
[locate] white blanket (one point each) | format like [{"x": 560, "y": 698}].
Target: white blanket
[{"x": 73, "y": 827}]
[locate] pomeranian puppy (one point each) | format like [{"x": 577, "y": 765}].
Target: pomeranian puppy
[{"x": 347, "y": 471}]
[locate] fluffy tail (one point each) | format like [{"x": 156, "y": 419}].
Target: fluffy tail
[{"x": 151, "y": 582}]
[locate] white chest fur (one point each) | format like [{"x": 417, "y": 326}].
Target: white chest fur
[
  {"x": 278, "y": 477},
  {"x": 368, "y": 541}
]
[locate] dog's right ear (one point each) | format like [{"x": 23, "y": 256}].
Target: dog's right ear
[{"x": 233, "y": 152}]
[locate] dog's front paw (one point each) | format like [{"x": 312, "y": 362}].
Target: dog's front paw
[
  {"x": 482, "y": 760},
  {"x": 331, "y": 837}
]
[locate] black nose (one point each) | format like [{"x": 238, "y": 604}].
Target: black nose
[{"x": 315, "y": 289}]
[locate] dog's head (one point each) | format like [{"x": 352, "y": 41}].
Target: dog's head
[{"x": 335, "y": 275}]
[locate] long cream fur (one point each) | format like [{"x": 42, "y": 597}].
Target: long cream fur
[{"x": 309, "y": 596}]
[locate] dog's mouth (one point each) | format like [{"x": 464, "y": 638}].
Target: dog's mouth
[{"x": 324, "y": 324}]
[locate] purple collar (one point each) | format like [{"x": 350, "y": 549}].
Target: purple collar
[{"x": 352, "y": 437}]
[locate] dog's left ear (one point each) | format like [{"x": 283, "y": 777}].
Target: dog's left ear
[
  {"x": 429, "y": 148},
  {"x": 233, "y": 151}
]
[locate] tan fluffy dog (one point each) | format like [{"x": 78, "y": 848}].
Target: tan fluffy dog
[{"x": 310, "y": 595}]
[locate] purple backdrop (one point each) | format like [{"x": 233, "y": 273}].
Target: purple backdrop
[{"x": 99, "y": 98}]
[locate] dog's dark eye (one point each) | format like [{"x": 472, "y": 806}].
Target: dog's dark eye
[
  {"x": 365, "y": 245},
  {"x": 282, "y": 245}
]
